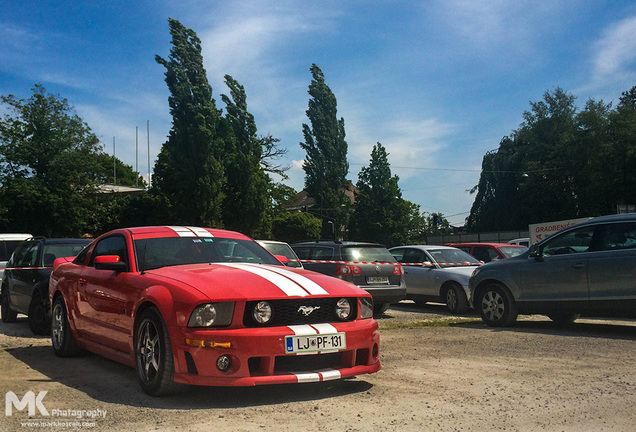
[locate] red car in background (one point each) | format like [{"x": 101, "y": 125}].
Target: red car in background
[
  {"x": 487, "y": 252},
  {"x": 208, "y": 307}
]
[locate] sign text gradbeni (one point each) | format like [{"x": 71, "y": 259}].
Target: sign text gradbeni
[{"x": 542, "y": 231}]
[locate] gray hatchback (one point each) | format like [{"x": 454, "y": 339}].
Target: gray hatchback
[{"x": 589, "y": 269}]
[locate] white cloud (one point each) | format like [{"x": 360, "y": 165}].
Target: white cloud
[{"x": 615, "y": 52}]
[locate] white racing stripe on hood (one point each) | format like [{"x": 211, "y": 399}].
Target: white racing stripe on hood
[
  {"x": 309, "y": 285},
  {"x": 286, "y": 285}
]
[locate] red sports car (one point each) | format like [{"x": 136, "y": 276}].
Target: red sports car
[{"x": 208, "y": 307}]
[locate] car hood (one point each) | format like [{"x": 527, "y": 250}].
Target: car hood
[
  {"x": 232, "y": 281},
  {"x": 465, "y": 272}
]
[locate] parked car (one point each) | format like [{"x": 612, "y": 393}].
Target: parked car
[
  {"x": 589, "y": 268},
  {"x": 487, "y": 252},
  {"x": 523, "y": 241},
  {"x": 278, "y": 248},
  {"x": 367, "y": 265},
  {"x": 208, "y": 307},
  {"x": 25, "y": 288},
  {"x": 8, "y": 243},
  {"x": 437, "y": 274}
]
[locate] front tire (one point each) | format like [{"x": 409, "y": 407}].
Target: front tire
[
  {"x": 497, "y": 306},
  {"x": 153, "y": 354},
  {"x": 456, "y": 300},
  {"x": 61, "y": 335},
  {"x": 8, "y": 314},
  {"x": 39, "y": 318}
]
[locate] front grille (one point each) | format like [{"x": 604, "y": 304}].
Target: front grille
[{"x": 290, "y": 312}]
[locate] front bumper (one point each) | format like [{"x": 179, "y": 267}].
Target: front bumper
[{"x": 258, "y": 355}]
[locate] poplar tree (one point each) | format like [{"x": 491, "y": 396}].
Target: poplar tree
[
  {"x": 380, "y": 214},
  {"x": 246, "y": 192},
  {"x": 326, "y": 163},
  {"x": 189, "y": 171}
]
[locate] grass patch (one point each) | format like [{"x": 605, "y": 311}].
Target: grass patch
[{"x": 429, "y": 323}]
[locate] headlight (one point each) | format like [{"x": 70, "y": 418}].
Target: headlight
[
  {"x": 343, "y": 309},
  {"x": 212, "y": 315},
  {"x": 366, "y": 310},
  {"x": 262, "y": 312}
]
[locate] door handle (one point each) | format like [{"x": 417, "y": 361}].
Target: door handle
[
  {"x": 82, "y": 281},
  {"x": 579, "y": 265}
]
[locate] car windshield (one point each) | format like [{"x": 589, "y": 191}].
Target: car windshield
[
  {"x": 451, "y": 257},
  {"x": 367, "y": 254},
  {"x": 510, "y": 252},
  {"x": 154, "y": 253}
]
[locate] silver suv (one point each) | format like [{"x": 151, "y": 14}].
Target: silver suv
[{"x": 587, "y": 269}]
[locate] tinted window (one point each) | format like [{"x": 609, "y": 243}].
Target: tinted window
[
  {"x": 170, "y": 251},
  {"x": 409, "y": 256},
  {"x": 575, "y": 241},
  {"x": 619, "y": 236},
  {"x": 26, "y": 255},
  {"x": 485, "y": 254},
  {"x": 59, "y": 250},
  {"x": 367, "y": 254},
  {"x": 451, "y": 257},
  {"x": 115, "y": 245},
  {"x": 510, "y": 252}
]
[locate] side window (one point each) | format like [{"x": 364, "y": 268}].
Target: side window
[
  {"x": 413, "y": 256},
  {"x": 575, "y": 241},
  {"x": 26, "y": 256},
  {"x": 323, "y": 253},
  {"x": 619, "y": 236},
  {"x": 115, "y": 245},
  {"x": 302, "y": 252}
]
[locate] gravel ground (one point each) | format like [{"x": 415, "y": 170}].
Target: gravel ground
[{"x": 439, "y": 373}]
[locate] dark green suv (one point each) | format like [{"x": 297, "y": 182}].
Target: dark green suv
[
  {"x": 367, "y": 265},
  {"x": 25, "y": 287}
]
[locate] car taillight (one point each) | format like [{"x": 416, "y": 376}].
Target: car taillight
[
  {"x": 398, "y": 269},
  {"x": 345, "y": 270}
]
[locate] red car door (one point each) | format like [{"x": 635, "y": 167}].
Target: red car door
[{"x": 106, "y": 298}]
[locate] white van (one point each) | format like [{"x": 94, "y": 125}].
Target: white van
[{"x": 8, "y": 243}]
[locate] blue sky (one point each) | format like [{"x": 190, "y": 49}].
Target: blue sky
[{"x": 438, "y": 82}]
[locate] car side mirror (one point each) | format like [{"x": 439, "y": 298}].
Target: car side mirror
[
  {"x": 109, "y": 262},
  {"x": 534, "y": 251},
  {"x": 282, "y": 258}
]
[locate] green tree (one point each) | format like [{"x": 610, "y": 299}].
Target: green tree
[
  {"x": 326, "y": 163},
  {"x": 246, "y": 189},
  {"x": 50, "y": 165},
  {"x": 189, "y": 170},
  {"x": 380, "y": 214},
  {"x": 296, "y": 226}
]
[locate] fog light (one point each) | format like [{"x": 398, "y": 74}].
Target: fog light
[{"x": 223, "y": 363}]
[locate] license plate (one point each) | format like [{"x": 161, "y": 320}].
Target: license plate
[
  {"x": 377, "y": 280},
  {"x": 315, "y": 343}
]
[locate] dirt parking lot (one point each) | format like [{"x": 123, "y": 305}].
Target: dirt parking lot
[{"x": 437, "y": 375}]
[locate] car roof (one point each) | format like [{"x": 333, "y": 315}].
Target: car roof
[
  {"x": 426, "y": 247},
  {"x": 340, "y": 243},
  {"x": 624, "y": 217},
  {"x": 484, "y": 244},
  {"x": 180, "y": 231}
]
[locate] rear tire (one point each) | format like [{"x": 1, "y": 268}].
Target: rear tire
[
  {"x": 563, "y": 318},
  {"x": 8, "y": 314},
  {"x": 497, "y": 306},
  {"x": 380, "y": 308},
  {"x": 61, "y": 335},
  {"x": 39, "y": 316},
  {"x": 456, "y": 300}
]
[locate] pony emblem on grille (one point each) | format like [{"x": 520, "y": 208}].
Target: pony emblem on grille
[{"x": 307, "y": 310}]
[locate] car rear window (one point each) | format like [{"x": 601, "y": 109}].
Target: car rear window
[
  {"x": 451, "y": 257},
  {"x": 367, "y": 254}
]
